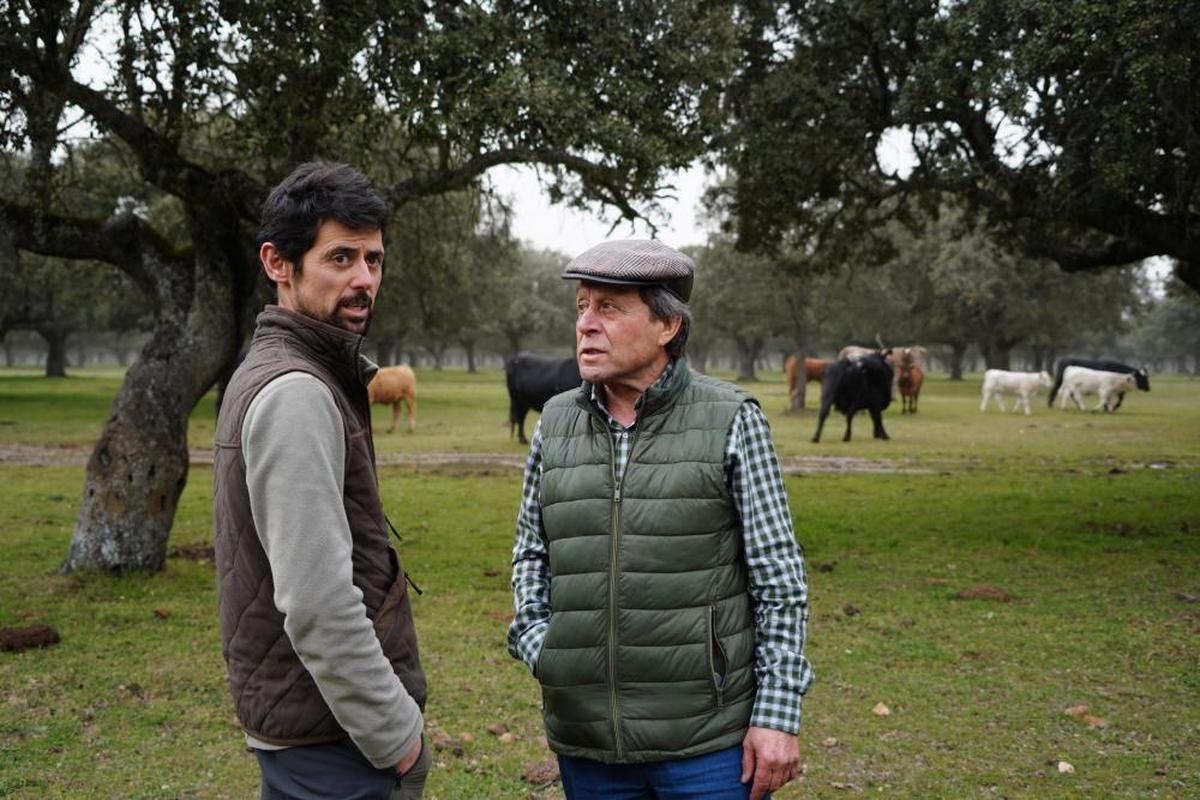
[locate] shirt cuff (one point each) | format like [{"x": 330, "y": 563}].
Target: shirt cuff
[
  {"x": 530, "y": 645},
  {"x": 776, "y": 709}
]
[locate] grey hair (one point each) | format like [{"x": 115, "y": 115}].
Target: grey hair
[{"x": 663, "y": 306}]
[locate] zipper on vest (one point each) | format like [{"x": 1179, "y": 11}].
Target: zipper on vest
[
  {"x": 613, "y": 566},
  {"x": 613, "y": 574}
]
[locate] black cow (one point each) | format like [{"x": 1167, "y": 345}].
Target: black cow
[
  {"x": 1139, "y": 374},
  {"x": 532, "y": 380},
  {"x": 856, "y": 384}
]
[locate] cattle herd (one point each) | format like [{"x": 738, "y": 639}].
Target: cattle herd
[
  {"x": 867, "y": 379},
  {"x": 859, "y": 379}
]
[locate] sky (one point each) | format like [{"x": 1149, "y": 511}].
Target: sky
[
  {"x": 570, "y": 231},
  {"x": 557, "y": 227}
]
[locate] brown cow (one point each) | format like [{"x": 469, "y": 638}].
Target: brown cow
[
  {"x": 909, "y": 383},
  {"x": 912, "y": 354},
  {"x": 390, "y": 387},
  {"x": 814, "y": 370}
]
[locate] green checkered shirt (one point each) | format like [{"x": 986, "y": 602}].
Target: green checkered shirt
[{"x": 774, "y": 562}]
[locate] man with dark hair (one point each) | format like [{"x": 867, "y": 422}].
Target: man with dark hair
[
  {"x": 316, "y": 626},
  {"x": 660, "y": 593}
]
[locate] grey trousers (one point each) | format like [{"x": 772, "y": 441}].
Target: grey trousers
[{"x": 337, "y": 771}]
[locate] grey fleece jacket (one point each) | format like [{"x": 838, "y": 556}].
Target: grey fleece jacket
[{"x": 292, "y": 441}]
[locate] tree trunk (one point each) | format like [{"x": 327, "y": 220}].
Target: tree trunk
[
  {"x": 387, "y": 349},
  {"x": 135, "y": 475},
  {"x": 56, "y": 351},
  {"x": 958, "y": 351},
  {"x": 512, "y": 339},
  {"x": 748, "y": 349},
  {"x": 469, "y": 347},
  {"x": 697, "y": 356},
  {"x": 1048, "y": 359},
  {"x": 1039, "y": 358},
  {"x": 139, "y": 466},
  {"x": 800, "y": 390}
]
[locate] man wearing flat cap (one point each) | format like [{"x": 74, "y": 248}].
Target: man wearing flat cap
[{"x": 660, "y": 594}]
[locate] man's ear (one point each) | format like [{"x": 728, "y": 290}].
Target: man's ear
[
  {"x": 278, "y": 268},
  {"x": 670, "y": 328}
]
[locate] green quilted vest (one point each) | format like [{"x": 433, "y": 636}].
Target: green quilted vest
[{"x": 650, "y": 651}]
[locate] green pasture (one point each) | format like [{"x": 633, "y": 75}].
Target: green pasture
[{"x": 1089, "y": 523}]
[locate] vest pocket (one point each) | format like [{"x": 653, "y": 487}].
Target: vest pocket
[
  {"x": 386, "y": 617},
  {"x": 718, "y": 664}
]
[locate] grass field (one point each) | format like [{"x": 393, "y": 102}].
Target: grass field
[{"x": 1089, "y": 522}]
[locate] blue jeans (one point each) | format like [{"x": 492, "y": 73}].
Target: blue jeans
[{"x": 713, "y": 776}]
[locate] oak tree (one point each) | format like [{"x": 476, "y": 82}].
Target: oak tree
[
  {"x": 1075, "y": 127},
  {"x": 210, "y": 104}
]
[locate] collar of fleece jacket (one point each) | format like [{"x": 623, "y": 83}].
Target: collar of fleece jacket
[{"x": 336, "y": 347}]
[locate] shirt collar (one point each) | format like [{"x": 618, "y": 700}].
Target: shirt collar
[{"x": 598, "y": 394}]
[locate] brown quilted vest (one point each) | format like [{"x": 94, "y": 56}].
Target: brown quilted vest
[{"x": 275, "y": 697}]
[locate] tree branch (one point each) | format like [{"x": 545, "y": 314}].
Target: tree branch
[
  {"x": 123, "y": 240},
  {"x": 606, "y": 183},
  {"x": 158, "y": 157}
]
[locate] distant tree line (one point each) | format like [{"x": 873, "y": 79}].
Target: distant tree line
[{"x": 956, "y": 287}]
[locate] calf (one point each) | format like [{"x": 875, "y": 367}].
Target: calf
[
  {"x": 1078, "y": 381},
  {"x": 909, "y": 384},
  {"x": 532, "y": 380},
  {"x": 856, "y": 384},
  {"x": 1023, "y": 384},
  {"x": 392, "y": 386},
  {"x": 1141, "y": 376}
]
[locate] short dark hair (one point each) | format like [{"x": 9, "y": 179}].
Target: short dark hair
[
  {"x": 665, "y": 304},
  {"x": 315, "y": 192}
]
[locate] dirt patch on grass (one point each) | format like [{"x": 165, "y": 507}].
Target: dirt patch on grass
[
  {"x": 473, "y": 463},
  {"x": 793, "y": 465},
  {"x": 42, "y": 455},
  {"x": 466, "y": 465},
  {"x": 17, "y": 639},
  {"x": 192, "y": 552},
  {"x": 985, "y": 593}
]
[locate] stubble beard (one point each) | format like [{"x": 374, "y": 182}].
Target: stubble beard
[
  {"x": 335, "y": 319},
  {"x": 359, "y": 299}
]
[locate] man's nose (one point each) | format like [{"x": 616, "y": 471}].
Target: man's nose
[
  {"x": 586, "y": 321},
  {"x": 362, "y": 276}
]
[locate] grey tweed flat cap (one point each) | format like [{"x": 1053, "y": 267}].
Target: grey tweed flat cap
[{"x": 634, "y": 262}]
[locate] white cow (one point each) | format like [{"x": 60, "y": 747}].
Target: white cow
[
  {"x": 1078, "y": 381},
  {"x": 1023, "y": 384}
]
